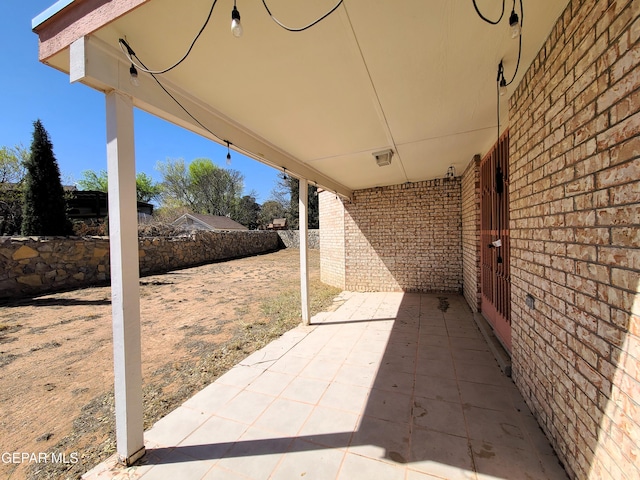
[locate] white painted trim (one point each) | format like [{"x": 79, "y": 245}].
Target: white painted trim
[{"x": 125, "y": 282}]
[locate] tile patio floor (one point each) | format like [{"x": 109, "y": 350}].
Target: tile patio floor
[{"x": 388, "y": 386}]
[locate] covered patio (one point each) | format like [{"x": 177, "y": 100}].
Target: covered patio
[
  {"x": 389, "y": 385},
  {"x": 455, "y": 154}
]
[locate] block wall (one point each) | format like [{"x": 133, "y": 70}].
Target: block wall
[
  {"x": 575, "y": 233},
  {"x": 471, "y": 233},
  {"x": 400, "y": 238},
  {"x": 332, "y": 253}
]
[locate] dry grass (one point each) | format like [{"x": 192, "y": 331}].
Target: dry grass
[{"x": 93, "y": 431}]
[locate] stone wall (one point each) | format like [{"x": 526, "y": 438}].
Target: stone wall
[
  {"x": 575, "y": 238},
  {"x": 35, "y": 265},
  {"x": 471, "y": 233},
  {"x": 396, "y": 238},
  {"x": 291, "y": 238},
  {"x": 31, "y": 265}
]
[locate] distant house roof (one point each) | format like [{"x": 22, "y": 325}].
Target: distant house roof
[
  {"x": 278, "y": 224},
  {"x": 207, "y": 222},
  {"x": 94, "y": 204}
]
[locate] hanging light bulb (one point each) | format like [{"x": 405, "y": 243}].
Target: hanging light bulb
[
  {"x": 133, "y": 76},
  {"x": 514, "y": 23},
  {"x": 228, "y": 154},
  {"x": 236, "y": 26}
]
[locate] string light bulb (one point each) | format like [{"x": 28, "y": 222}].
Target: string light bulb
[
  {"x": 228, "y": 154},
  {"x": 514, "y": 23},
  {"x": 236, "y": 26},
  {"x": 133, "y": 76}
]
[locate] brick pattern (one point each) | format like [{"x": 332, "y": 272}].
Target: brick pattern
[
  {"x": 332, "y": 254},
  {"x": 471, "y": 233},
  {"x": 397, "y": 238},
  {"x": 575, "y": 210}
]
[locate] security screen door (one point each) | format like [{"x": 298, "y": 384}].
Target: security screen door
[{"x": 494, "y": 239}]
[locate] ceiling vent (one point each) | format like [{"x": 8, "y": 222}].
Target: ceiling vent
[{"x": 383, "y": 158}]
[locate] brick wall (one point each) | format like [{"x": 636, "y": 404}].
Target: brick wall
[
  {"x": 332, "y": 254},
  {"x": 471, "y": 233},
  {"x": 401, "y": 237},
  {"x": 575, "y": 210}
]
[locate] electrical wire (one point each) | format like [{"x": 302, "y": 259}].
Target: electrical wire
[
  {"x": 184, "y": 108},
  {"x": 130, "y": 54},
  {"x": 220, "y": 139},
  {"x": 153, "y": 75},
  {"x": 518, "y": 62},
  {"x": 139, "y": 64},
  {"x": 475, "y": 5},
  {"x": 302, "y": 29},
  {"x": 500, "y": 76}
]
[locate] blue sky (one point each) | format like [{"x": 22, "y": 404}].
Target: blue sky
[{"x": 74, "y": 115}]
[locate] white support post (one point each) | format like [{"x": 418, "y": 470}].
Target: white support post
[
  {"x": 303, "y": 200},
  {"x": 125, "y": 284}
]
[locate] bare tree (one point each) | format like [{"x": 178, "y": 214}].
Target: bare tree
[{"x": 202, "y": 186}]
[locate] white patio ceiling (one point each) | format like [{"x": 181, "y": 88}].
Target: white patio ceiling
[{"x": 415, "y": 76}]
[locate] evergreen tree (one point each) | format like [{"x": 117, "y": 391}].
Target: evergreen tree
[{"x": 44, "y": 209}]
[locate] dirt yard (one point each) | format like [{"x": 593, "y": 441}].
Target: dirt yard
[{"x": 56, "y": 371}]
